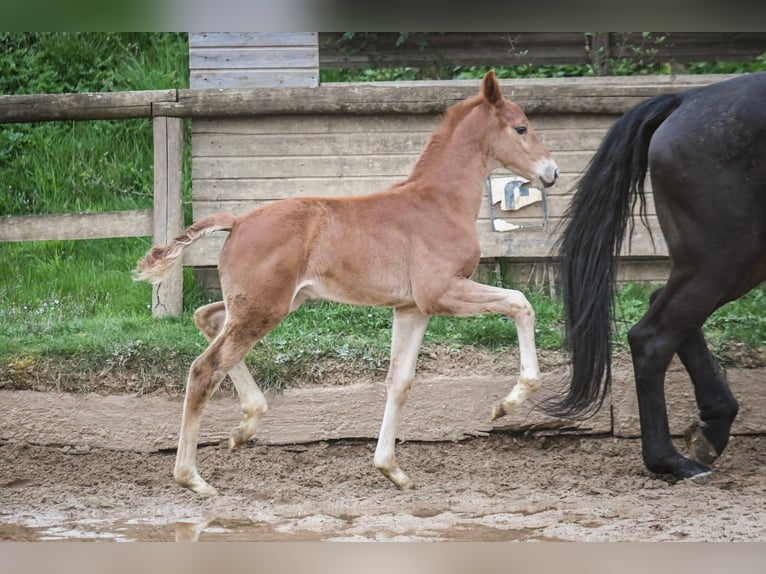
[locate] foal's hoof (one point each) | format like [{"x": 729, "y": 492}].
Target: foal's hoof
[
  {"x": 197, "y": 484},
  {"x": 236, "y": 440},
  {"x": 397, "y": 476},
  {"x": 699, "y": 446},
  {"x": 499, "y": 410}
]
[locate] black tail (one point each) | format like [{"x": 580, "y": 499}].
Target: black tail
[{"x": 596, "y": 222}]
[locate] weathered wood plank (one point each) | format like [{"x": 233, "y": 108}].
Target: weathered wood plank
[
  {"x": 265, "y": 79},
  {"x": 131, "y": 223},
  {"x": 89, "y": 106},
  {"x": 538, "y": 48},
  {"x": 747, "y": 385},
  {"x": 523, "y": 274},
  {"x": 168, "y": 216},
  {"x": 392, "y": 164},
  {"x": 564, "y": 95},
  {"x": 297, "y": 143},
  {"x": 239, "y": 39},
  {"x": 315, "y": 124},
  {"x": 437, "y": 409},
  {"x": 281, "y": 58},
  {"x": 325, "y": 123},
  {"x": 252, "y": 189}
]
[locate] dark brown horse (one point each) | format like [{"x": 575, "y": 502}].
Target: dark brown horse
[
  {"x": 705, "y": 150},
  {"x": 412, "y": 247}
]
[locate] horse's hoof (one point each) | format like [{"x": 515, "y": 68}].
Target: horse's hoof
[
  {"x": 699, "y": 446},
  {"x": 498, "y": 411},
  {"x": 701, "y": 478},
  {"x": 677, "y": 467}
]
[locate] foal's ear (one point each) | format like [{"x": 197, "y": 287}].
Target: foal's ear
[{"x": 490, "y": 89}]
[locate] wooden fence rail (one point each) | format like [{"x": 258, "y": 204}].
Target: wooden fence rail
[
  {"x": 566, "y": 97},
  {"x": 601, "y": 49}
]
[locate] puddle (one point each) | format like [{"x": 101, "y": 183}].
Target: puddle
[
  {"x": 313, "y": 528},
  {"x": 149, "y": 531}
]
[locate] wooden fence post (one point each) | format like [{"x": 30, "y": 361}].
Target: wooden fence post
[{"x": 168, "y": 216}]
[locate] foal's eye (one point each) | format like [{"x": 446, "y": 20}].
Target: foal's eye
[{"x": 521, "y": 130}]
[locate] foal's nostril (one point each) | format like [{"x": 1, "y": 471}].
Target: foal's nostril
[{"x": 555, "y": 174}]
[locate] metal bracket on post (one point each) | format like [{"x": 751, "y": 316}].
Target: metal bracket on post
[{"x": 168, "y": 217}]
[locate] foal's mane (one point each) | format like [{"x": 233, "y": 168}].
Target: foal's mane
[{"x": 452, "y": 117}]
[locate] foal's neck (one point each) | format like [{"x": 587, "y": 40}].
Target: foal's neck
[{"x": 454, "y": 165}]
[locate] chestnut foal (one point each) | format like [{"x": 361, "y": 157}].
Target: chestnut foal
[{"x": 411, "y": 247}]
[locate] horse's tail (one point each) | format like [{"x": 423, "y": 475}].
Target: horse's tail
[
  {"x": 156, "y": 265},
  {"x": 590, "y": 244}
]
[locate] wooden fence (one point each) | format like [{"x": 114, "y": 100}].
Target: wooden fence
[
  {"x": 162, "y": 222},
  {"x": 535, "y": 48},
  {"x": 250, "y": 147}
]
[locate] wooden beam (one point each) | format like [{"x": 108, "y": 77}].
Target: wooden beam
[
  {"x": 89, "y": 106},
  {"x": 559, "y": 95},
  {"x": 437, "y": 409},
  {"x": 135, "y": 223}
]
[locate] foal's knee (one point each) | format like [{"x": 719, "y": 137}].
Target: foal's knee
[{"x": 521, "y": 307}]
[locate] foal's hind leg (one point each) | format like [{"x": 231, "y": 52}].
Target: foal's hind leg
[
  {"x": 467, "y": 298},
  {"x": 210, "y": 320},
  {"x": 409, "y": 328},
  {"x": 206, "y": 373}
]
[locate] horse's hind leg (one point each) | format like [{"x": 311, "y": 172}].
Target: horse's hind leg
[
  {"x": 717, "y": 406},
  {"x": 669, "y": 326},
  {"x": 210, "y": 320},
  {"x": 408, "y": 330}
]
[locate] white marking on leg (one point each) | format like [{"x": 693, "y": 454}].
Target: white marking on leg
[
  {"x": 529, "y": 377},
  {"x": 409, "y": 328},
  {"x": 468, "y": 298},
  {"x": 185, "y": 471},
  {"x": 254, "y": 405}
]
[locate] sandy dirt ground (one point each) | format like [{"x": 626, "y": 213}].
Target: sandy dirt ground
[
  {"x": 496, "y": 488},
  {"x": 502, "y": 487}
]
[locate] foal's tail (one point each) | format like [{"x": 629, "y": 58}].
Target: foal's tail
[
  {"x": 596, "y": 222},
  {"x": 160, "y": 260}
]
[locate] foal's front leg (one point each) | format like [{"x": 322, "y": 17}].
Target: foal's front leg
[
  {"x": 468, "y": 298},
  {"x": 409, "y": 328}
]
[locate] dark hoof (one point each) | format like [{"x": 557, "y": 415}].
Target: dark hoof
[
  {"x": 701, "y": 478},
  {"x": 699, "y": 446},
  {"x": 679, "y": 468}
]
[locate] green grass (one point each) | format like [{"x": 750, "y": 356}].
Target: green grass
[{"x": 73, "y": 304}]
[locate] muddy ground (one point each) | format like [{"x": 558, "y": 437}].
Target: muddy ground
[{"x": 503, "y": 487}]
